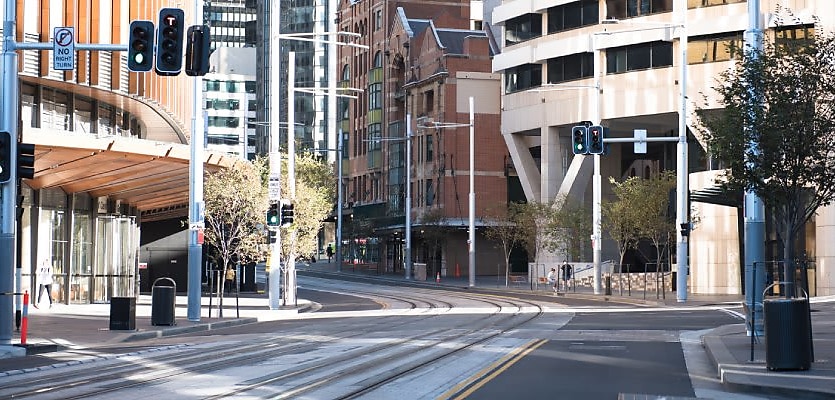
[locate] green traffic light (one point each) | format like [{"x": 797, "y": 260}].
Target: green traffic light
[{"x": 139, "y": 58}]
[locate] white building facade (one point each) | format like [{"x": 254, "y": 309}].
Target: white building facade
[{"x": 551, "y": 51}]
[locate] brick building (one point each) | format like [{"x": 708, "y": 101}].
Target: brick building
[{"x": 423, "y": 62}]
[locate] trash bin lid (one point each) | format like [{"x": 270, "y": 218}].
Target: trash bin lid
[{"x": 173, "y": 284}]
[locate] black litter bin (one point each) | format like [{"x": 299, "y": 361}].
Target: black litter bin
[
  {"x": 162, "y": 302},
  {"x": 787, "y": 334},
  {"x": 122, "y": 313}
]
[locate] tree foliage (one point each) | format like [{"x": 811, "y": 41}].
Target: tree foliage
[
  {"x": 503, "y": 226},
  {"x": 782, "y": 100},
  {"x": 570, "y": 228},
  {"x": 236, "y": 201},
  {"x": 621, "y": 217},
  {"x": 535, "y": 220}
]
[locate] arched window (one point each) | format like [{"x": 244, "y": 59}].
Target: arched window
[
  {"x": 346, "y": 72},
  {"x": 378, "y": 59}
]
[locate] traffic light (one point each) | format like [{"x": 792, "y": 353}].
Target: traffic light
[
  {"x": 286, "y": 213},
  {"x": 198, "y": 41},
  {"x": 273, "y": 216},
  {"x": 5, "y": 157},
  {"x": 169, "y": 60},
  {"x": 596, "y": 139},
  {"x": 579, "y": 140},
  {"x": 141, "y": 46},
  {"x": 25, "y": 160}
]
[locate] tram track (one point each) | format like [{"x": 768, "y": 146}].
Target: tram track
[{"x": 342, "y": 355}]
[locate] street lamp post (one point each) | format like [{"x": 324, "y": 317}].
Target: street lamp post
[{"x": 471, "y": 197}]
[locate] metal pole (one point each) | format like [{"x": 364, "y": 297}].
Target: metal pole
[
  {"x": 339, "y": 204},
  {"x": 9, "y": 189},
  {"x": 407, "y": 253},
  {"x": 472, "y": 196},
  {"x": 195, "y": 187},
  {"x": 290, "y": 285},
  {"x": 682, "y": 184},
  {"x": 275, "y": 157},
  {"x": 596, "y": 181},
  {"x": 754, "y": 210}
]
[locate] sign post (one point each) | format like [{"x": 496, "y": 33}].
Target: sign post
[{"x": 63, "y": 48}]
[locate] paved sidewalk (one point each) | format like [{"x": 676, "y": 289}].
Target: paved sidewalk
[{"x": 88, "y": 325}]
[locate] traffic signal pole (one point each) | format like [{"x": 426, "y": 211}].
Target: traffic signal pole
[
  {"x": 196, "y": 206},
  {"x": 9, "y": 189}
]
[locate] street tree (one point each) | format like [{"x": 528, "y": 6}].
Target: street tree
[
  {"x": 774, "y": 130},
  {"x": 652, "y": 211},
  {"x": 620, "y": 217},
  {"x": 433, "y": 225},
  {"x": 569, "y": 229},
  {"x": 315, "y": 194},
  {"x": 236, "y": 201},
  {"x": 535, "y": 220},
  {"x": 502, "y": 226}
]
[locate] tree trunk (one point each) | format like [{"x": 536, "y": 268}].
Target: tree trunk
[{"x": 788, "y": 261}]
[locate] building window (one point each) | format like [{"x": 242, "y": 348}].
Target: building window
[
  {"x": 378, "y": 20},
  {"x": 346, "y": 72},
  {"x": 706, "y": 49},
  {"x": 575, "y": 66},
  {"x": 572, "y": 15},
  {"x": 374, "y": 136},
  {"x": 375, "y": 96},
  {"x": 429, "y": 145},
  {"x": 639, "y": 56},
  {"x": 619, "y": 9},
  {"x": 429, "y": 101},
  {"x": 378, "y": 59},
  {"x": 212, "y": 86},
  {"x": 794, "y": 36},
  {"x": 708, "y": 3},
  {"x": 523, "y": 77},
  {"x": 250, "y": 86},
  {"x": 430, "y": 193},
  {"x": 522, "y": 28},
  {"x": 231, "y": 86}
]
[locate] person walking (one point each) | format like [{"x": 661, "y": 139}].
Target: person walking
[
  {"x": 45, "y": 276},
  {"x": 329, "y": 251},
  {"x": 567, "y": 271}
]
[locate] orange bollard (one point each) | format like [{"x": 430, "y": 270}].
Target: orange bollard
[
  {"x": 457, "y": 271},
  {"x": 438, "y": 277},
  {"x": 24, "y": 320}
]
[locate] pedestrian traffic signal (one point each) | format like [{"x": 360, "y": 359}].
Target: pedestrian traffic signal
[
  {"x": 5, "y": 157},
  {"x": 273, "y": 216},
  {"x": 198, "y": 41},
  {"x": 579, "y": 139},
  {"x": 169, "y": 59},
  {"x": 25, "y": 160},
  {"x": 287, "y": 216},
  {"x": 141, "y": 46},
  {"x": 596, "y": 139}
]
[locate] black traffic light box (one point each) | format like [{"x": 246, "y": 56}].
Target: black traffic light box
[
  {"x": 141, "y": 46},
  {"x": 5, "y": 157},
  {"x": 198, "y": 42},
  {"x": 596, "y": 139},
  {"x": 170, "y": 32},
  {"x": 287, "y": 214},
  {"x": 579, "y": 139},
  {"x": 25, "y": 160},
  {"x": 273, "y": 215}
]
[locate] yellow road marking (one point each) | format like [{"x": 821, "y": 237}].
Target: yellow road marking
[{"x": 491, "y": 371}]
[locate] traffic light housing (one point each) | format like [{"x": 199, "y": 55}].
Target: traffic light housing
[
  {"x": 170, "y": 32},
  {"x": 5, "y": 157},
  {"x": 273, "y": 215},
  {"x": 287, "y": 214},
  {"x": 198, "y": 41},
  {"x": 141, "y": 46},
  {"x": 595, "y": 139},
  {"x": 579, "y": 139},
  {"x": 25, "y": 160}
]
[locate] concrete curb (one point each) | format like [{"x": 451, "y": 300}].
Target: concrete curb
[{"x": 754, "y": 377}]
